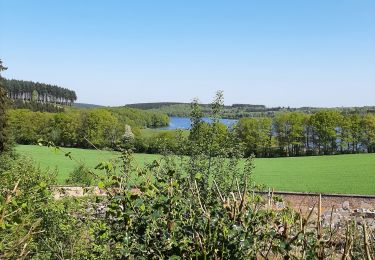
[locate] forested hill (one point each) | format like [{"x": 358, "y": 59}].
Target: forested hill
[
  {"x": 39, "y": 92},
  {"x": 85, "y": 105},
  {"x": 158, "y": 105},
  {"x": 237, "y": 111},
  {"x": 183, "y": 109}
]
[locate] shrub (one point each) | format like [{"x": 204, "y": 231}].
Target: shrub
[
  {"x": 81, "y": 175},
  {"x": 33, "y": 225}
]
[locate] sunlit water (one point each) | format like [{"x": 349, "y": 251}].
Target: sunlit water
[{"x": 185, "y": 123}]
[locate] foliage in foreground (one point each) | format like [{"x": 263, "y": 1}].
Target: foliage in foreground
[{"x": 32, "y": 223}]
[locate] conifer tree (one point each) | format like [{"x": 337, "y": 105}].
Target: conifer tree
[{"x": 4, "y": 140}]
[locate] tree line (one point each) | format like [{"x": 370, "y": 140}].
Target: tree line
[
  {"x": 288, "y": 134},
  {"x": 84, "y": 128},
  {"x": 231, "y": 112},
  {"x": 36, "y": 106},
  {"x": 297, "y": 134},
  {"x": 39, "y": 92}
]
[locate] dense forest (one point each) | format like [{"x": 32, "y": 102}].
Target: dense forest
[
  {"x": 4, "y": 131},
  {"x": 237, "y": 111},
  {"x": 41, "y": 111},
  {"x": 36, "y": 106},
  {"x": 103, "y": 127},
  {"x": 183, "y": 109},
  {"x": 84, "y": 105},
  {"x": 158, "y": 105},
  {"x": 39, "y": 92}
]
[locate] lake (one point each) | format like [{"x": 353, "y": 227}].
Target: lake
[{"x": 184, "y": 122}]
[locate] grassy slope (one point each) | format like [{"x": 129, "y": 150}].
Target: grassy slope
[
  {"x": 52, "y": 159},
  {"x": 150, "y": 132},
  {"x": 333, "y": 174}
]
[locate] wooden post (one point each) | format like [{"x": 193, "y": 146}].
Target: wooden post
[
  {"x": 365, "y": 242},
  {"x": 253, "y": 198},
  {"x": 319, "y": 216},
  {"x": 301, "y": 221}
]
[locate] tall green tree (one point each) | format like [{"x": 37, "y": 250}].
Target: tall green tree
[
  {"x": 351, "y": 132},
  {"x": 290, "y": 129},
  {"x": 65, "y": 128},
  {"x": 99, "y": 127},
  {"x": 256, "y": 134},
  {"x": 368, "y": 126},
  {"x": 4, "y": 136},
  {"x": 325, "y": 125}
]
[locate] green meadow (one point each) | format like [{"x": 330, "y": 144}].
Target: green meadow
[
  {"x": 151, "y": 132},
  {"x": 350, "y": 174}
]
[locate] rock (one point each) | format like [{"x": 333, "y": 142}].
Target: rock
[
  {"x": 279, "y": 205},
  {"x": 346, "y": 205},
  {"x": 326, "y": 219},
  {"x": 365, "y": 205},
  {"x": 370, "y": 215},
  {"x": 371, "y": 224}
]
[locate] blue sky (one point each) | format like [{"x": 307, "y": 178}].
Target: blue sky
[{"x": 277, "y": 53}]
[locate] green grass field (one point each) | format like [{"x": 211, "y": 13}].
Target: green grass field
[
  {"x": 51, "y": 158},
  {"x": 151, "y": 132},
  {"x": 354, "y": 174}
]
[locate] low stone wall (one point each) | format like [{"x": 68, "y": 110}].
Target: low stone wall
[
  {"x": 307, "y": 201},
  {"x": 336, "y": 209},
  {"x": 76, "y": 191}
]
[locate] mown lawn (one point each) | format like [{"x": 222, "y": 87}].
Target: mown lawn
[{"x": 353, "y": 174}]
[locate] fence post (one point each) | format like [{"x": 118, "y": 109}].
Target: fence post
[
  {"x": 319, "y": 216},
  {"x": 269, "y": 197}
]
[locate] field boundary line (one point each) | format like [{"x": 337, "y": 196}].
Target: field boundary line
[
  {"x": 317, "y": 194},
  {"x": 259, "y": 192}
]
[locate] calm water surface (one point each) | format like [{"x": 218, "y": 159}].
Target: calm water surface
[{"x": 184, "y": 122}]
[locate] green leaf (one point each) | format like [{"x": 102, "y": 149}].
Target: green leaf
[
  {"x": 101, "y": 185},
  {"x": 198, "y": 176}
]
